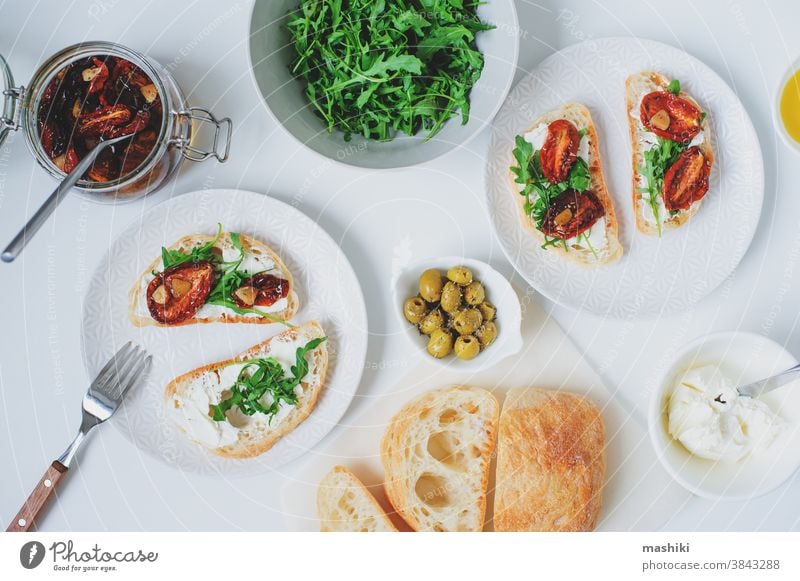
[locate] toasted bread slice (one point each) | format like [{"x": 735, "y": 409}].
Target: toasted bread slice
[
  {"x": 258, "y": 258},
  {"x": 579, "y": 116},
  {"x": 636, "y": 86},
  {"x": 436, "y": 454},
  {"x": 189, "y": 396},
  {"x": 345, "y": 505},
  {"x": 550, "y": 462}
]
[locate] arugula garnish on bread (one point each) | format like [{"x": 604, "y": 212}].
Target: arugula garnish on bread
[
  {"x": 672, "y": 152},
  {"x": 228, "y": 277},
  {"x": 529, "y": 174},
  {"x": 264, "y": 376},
  {"x": 241, "y": 407},
  {"x": 558, "y": 175}
]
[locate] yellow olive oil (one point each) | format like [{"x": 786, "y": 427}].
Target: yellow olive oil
[{"x": 790, "y": 106}]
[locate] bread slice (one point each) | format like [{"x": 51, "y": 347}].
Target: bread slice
[
  {"x": 436, "y": 454},
  {"x": 636, "y": 86},
  {"x": 579, "y": 116},
  {"x": 189, "y": 396},
  {"x": 259, "y": 258},
  {"x": 345, "y": 505},
  {"x": 550, "y": 462}
]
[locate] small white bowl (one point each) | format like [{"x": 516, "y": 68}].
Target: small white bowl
[
  {"x": 271, "y": 56},
  {"x": 743, "y": 357},
  {"x": 776, "y": 108},
  {"x": 498, "y": 291}
]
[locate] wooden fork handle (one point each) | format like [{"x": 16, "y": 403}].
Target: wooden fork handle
[{"x": 38, "y": 498}]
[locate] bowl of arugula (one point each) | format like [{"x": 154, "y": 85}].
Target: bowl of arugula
[{"x": 380, "y": 84}]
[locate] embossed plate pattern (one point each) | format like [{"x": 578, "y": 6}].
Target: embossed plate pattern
[
  {"x": 327, "y": 286},
  {"x": 656, "y": 275}
]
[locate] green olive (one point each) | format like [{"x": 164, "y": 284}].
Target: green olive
[
  {"x": 432, "y": 321},
  {"x": 440, "y": 344},
  {"x": 414, "y": 310},
  {"x": 451, "y": 297},
  {"x": 467, "y": 347},
  {"x": 474, "y": 294},
  {"x": 487, "y": 310},
  {"x": 430, "y": 285},
  {"x": 467, "y": 321},
  {"x": 460, "y": 275},
  {"x": 487, "y": 333}
]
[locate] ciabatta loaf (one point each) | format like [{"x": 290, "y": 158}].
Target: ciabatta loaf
[
  {"x": 637, "y": 86},
  {"x": 436, "y": 454},
  {"x": 550, "y": 462},
  {"x": 190, "y": 396},
  {"x": 258, "y": 258},
  {"x": 345, "y": 505},
  {"x": 601, "y": 244}
]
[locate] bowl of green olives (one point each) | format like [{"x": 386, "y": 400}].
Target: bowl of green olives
[{"x": 459, "y": 312}]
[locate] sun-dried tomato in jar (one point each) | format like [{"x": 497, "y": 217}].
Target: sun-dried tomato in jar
[{"x": 97, "y": 98}]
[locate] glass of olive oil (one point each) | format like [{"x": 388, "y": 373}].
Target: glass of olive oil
[{"x": 788, "y": 107}]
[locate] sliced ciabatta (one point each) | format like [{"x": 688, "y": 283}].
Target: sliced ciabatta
[
  {"x": 600, "y": 243},
  {"x": 648, "y": 201},
  {"x": 256, "y": 259},
  {"x": 550, "y": 462},
  {"x": 436, "y": 454},
  {"x": 191, "y": 398},
  {"x": 345, "y": 505}
]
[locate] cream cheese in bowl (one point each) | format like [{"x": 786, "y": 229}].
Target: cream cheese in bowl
[
  {"x": 714, "y": 442},
  {"x": 707, "y": 415}
]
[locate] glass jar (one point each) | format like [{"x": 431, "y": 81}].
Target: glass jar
[{"x": 172, "y": 146}]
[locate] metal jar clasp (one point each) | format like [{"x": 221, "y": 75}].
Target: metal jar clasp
[
  {"x": 11, "y": 111},
  {"x": 221, "y": 146}
]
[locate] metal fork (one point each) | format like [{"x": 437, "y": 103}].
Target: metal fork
[{"x": 105, "y": 394}]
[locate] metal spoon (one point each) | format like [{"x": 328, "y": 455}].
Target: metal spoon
[
  {"x": 40, "y": 217},
  {"x": 763, "y": 386}
]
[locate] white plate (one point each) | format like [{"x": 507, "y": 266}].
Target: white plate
[
  {"x": 655, "y": 275},
  {"x": 638, "y": 494},
  {"x": 326, "y": 284}
]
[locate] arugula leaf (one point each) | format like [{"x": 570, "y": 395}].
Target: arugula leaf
[
  {"x": 259, "y": 377},
  {"x": 674, "y": 87},
  {"x": 410, "y": 19},
  {"x": 579, "y": 178},
  {"x": 202, "y": 253},
  {"x": 523, "y": 152},
  {"x": 657, "y": 160},
  {"x": 377, "y": 68}
]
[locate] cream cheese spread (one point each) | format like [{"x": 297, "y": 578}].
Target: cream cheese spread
[{"x": 712, "y": 421}]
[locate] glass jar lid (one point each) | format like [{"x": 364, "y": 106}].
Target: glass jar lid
[{"x": 8, "y": 120}]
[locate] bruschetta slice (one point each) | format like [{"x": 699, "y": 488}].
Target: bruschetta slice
[
  {"x": 225, "y": 278},
  {"x": 558, "y": 176},
  {"x": 672, "y": 152},
  {"x": 239, "y": 408}
]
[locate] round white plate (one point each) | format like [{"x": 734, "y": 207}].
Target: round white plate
[
  {"x": 327, "y": 287},
  {"x": 655, "y": 275}
]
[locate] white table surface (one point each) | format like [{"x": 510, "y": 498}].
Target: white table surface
[{"x": 434, "y": 209}]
